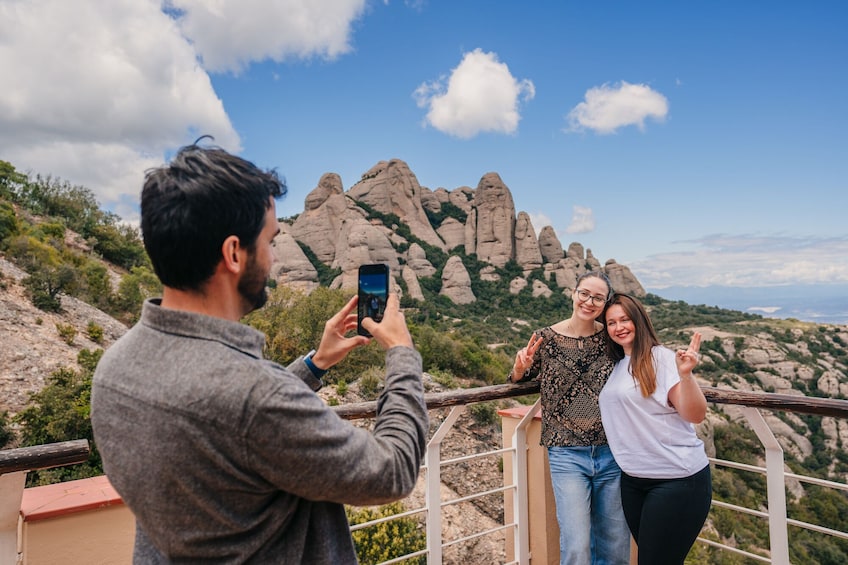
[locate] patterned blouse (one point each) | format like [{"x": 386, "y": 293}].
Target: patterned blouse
[{"x": 572, "y": 371}]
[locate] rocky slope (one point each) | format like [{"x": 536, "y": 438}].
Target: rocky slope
[{"x": 31, "y": 345}]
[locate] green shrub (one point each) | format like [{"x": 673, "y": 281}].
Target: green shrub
[
  {"x": 6, "y": 432},
  {"x": 484, "y": 413},
  {"x": 67, "y": 332},
  {"x": 89, "y": 359},
  {"x": 386, "y": 540},
  {"x": 444, "y": 378},
  {"x": 8, "y": 221},
  {"x": 371, "y": 383},
  {"x": 60, "y": 412},
  {"x": 137, "y": 286},
  {"x": 95, "y": 332},
  {"x": 341, "y": 387}
]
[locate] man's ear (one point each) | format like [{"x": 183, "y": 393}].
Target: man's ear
[{"x": 233, "y": 254}]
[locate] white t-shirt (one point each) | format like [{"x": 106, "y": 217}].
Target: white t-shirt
[{"x": 647, "y": 436}]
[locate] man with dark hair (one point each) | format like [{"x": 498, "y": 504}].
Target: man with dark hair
[{"x": 224, "y": 457}]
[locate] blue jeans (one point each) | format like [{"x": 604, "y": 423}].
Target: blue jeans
[{"x": 592, "y": 529}]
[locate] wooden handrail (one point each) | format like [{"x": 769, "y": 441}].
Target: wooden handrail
[
  {"x": 360, "y": 410},
  {"x": 44, "y": 456},
  {"x": 768, "y": 400},
  {"x": 785, "y": 402}
]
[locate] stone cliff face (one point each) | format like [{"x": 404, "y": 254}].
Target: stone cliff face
[{"x": 342, "y": 232}]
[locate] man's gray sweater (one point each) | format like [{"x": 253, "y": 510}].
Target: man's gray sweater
[{"x": 224, "y": 457}]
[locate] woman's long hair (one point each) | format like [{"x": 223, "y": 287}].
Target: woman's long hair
[{"x": 645, "y": 338}]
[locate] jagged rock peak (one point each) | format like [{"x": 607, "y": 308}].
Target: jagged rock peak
[
  {"x": 335, "y": 226},
  {"x": 494, "y": 221},
  {"x": 527, "y": 253},
  {"x": 575, "y": 250},
  {"x": 391, "y": 188},
  {"x": 549, "y": 245},
  {"x": 326, "y": 211},
  {"x": 622, "y": 279},
  {"x": 329, "y": 185}
]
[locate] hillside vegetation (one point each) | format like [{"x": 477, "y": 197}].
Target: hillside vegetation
[{"x": 67, "y": 247}]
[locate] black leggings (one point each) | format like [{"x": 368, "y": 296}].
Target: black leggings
[{"x": 665, "y": 516}]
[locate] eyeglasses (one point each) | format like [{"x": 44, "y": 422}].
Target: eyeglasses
[{"x": 583, "y": 295}]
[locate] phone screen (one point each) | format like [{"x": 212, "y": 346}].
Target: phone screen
[{"x": 373, "y": 293}]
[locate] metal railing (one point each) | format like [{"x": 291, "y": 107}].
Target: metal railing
[
  {"x": 15, "y": 463},
  {"x": 751, "y": 403}
]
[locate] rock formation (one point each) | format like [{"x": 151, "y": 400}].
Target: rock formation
[
  {"x": 549, "y": 245},
  {"x": 456, "y": 284},
  {"x": 363, "y": 243},
  {"x": 494, "y": 221},
  {"x": 527, "y": 251},
  {"x": 342, "y": 231},
  {"x": 326, "y": 209},
  {"x": 452, "y": 232},
  {"x": 416, "y": 258},
  {"x": 622, "y": 279},
  {"x": 391, "y": 188},
  {"x": 412, "y": 286},
  {"x": 290, "y": 265}
]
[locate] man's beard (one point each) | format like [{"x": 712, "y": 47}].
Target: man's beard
[{"x": 251, "y": 286}]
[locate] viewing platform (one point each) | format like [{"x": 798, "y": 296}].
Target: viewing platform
[{"x": 86, "y": 522}]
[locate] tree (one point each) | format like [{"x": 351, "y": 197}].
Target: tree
[
  {"x": 48, "y": 275},
  {"x": 137, "y": 286},
  {"x": 10, "y": 181},
  {"x": 61, "y": 411},
  {"x": 9, "y": 225}
]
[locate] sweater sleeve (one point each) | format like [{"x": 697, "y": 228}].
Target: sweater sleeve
[
  {"x": 299, "y": 368},
  {"x": 301, "y": 446}
]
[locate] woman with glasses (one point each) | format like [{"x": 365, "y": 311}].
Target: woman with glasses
[
  {"x": 572, "y": 364},
  {"x": 648, "y": 407}
]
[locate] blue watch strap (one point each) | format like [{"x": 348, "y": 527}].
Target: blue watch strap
[{"x": 318, "y": 373}]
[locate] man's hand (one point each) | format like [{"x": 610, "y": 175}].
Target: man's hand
[
  {"x": 392, "y": 330},
  {"x": 334, "y": 345}
]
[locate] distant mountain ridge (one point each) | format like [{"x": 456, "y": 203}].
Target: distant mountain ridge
[
  {"x": 817, "y": 303},
  {"x": 345, "y": 229}
]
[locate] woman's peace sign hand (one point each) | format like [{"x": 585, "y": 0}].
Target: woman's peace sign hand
[
  {"x": 687, "y": 358},
  {"x": 525, "y": 355}
]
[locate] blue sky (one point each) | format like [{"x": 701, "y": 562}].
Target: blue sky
[{"x": 696, "y": 142}]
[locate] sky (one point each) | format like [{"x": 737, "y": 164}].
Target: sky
[{"x": 698, "y": 143}]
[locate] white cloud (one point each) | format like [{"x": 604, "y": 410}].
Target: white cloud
[
  {"x": 582, "y": 220},
  {"x": 607, "y": 108},
  {"x": 481, "y": 95},
  {"x": 97, "y": 92},
  {"x": 229, "y": 34},
  {"x": 100, "y": 92},
  {"x": 748, "y": 260}
]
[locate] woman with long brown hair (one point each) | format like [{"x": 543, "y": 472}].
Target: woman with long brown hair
[{"x": 648, "y": 408}]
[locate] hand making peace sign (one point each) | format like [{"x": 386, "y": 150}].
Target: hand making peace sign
[
  {"x": 525, "y": 355},
  {"x": 688, "y": 358}
]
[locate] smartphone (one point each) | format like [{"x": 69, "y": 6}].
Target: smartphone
[{"x": 373, "y": 293}]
